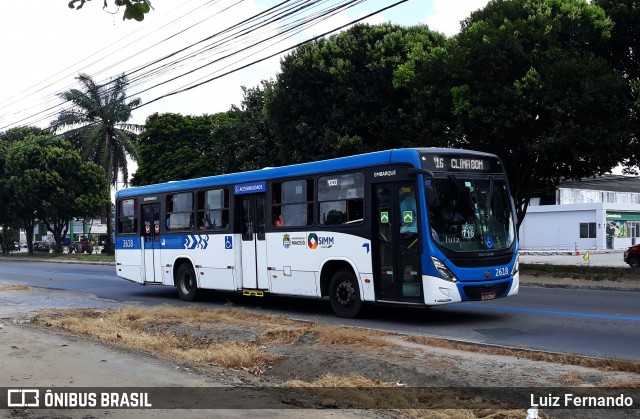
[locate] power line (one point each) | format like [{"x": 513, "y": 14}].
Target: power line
[
  {"x": 238, "y": 41},
  {"x": 23, "y": 94},
  {"x": 270, "y": 56}
]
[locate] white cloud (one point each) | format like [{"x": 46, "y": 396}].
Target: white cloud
[{"x": 445, "y": 15}]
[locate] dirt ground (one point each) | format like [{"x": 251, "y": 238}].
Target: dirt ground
[{"x": 48, "y": 354}]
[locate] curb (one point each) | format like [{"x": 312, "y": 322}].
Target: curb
[
  {"x": 580, "y": 287},
  {"x": 84, "y": 262}
]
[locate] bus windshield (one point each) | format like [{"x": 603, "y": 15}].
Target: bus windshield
[{"x": 471, "y": 213}]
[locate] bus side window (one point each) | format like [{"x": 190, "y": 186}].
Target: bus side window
[
  {"x": 212, "y": 209},
  {"x": 292, "y": 203},
  {"x": 127, "y": 216},
  {"x": 180, "y": 218},
  {"x": 341, "y": 199}
]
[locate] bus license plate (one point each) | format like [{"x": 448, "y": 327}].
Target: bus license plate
[{"x": 490, "y": 295}]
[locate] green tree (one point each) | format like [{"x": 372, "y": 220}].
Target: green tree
[
  {"x": 51, "y": 182},
  {"x": 97, "y": 124},
  {"x": 526, "y": 79},
  {"x": 252, "y": 142},
  {"x": 8, "y": 218},
  {"x": 176, "y": 147},
  {"x": 336, "y": 96},
  {"x": 624, "y": 53},
  {"x": 133, "y": 9},
  {"x": 20, "y": 133}
]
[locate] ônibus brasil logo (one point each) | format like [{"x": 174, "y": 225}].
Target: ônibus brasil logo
[{"x": 313, "y": 241}]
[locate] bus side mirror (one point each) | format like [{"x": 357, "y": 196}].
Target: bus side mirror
[{"x": 432, "y": 193}]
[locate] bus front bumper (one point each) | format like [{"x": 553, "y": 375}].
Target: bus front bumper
[{"x": 437, "y": 291}]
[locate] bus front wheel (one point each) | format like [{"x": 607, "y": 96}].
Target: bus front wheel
[
  {"x": 186, "y": 282},
  {"x": 344, "y": 295}
]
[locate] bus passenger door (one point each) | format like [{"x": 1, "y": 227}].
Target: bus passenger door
[
  {"x": 396, "y": 242},
  {"x": 151, "y": 243},
  {"x": 254, "y": 245}
]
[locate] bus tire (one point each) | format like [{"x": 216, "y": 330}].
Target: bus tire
[
  {"x": 186, "y": 282},
  {"x": 344, "y": 295}
]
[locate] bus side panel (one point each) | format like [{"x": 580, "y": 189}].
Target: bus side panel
[
  {"x": 129, "y": 259},
  {"x": 216, "y": 279},
  {"x": 213, "y": 263},
  {"x": 290, "y": 269},
  {"x": 217, "y": 263},
  {"x": 295, "y": 260}
]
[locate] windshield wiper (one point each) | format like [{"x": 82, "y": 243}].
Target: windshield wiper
[{"x": 465, "y": 193}]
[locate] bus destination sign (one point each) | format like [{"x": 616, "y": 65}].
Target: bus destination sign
[{"x": 457, "y": 163}]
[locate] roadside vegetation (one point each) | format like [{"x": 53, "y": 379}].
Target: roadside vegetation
[
  {"x": 62, "y": 257},
  {"x": 194, "y": 333},
  {"x": 14, "y": 288},
  {"x": 589, "y": 273},
  {"x": 326, "y": 360}
]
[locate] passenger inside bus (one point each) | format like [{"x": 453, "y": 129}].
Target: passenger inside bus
[
  {"x": 450, "y": 215},
  {"x": 445, "y": 217},
  {"x": 408, "y": 204}
]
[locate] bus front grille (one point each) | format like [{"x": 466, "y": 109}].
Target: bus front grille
[{"x": 480, "y": 292}]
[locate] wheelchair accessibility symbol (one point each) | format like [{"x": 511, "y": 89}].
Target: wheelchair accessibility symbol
[{"x": 228, "y": 242}]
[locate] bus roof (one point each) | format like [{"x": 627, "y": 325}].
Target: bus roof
[{"x": 404, "y": 155}]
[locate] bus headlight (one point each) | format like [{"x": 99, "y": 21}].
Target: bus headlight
[
  {"x": 516, "y": 266},
  {"x": 444, "y": 272}
]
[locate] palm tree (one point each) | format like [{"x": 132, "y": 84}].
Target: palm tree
[{"x": 97, "y": 126}]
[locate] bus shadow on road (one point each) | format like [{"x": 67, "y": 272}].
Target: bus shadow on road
[
  {"x": 315, "y": 309},
  {"x": 309, "y": 307}
]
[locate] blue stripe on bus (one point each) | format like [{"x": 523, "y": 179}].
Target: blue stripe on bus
[
  {"x": 187, "y": 241},
  {"x": 132, "y": 242}
]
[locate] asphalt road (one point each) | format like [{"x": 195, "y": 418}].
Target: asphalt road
[{"x": 586, "y": 322}]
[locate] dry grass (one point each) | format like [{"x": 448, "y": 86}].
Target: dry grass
[
  {"x": 589, "y": 273},
  {"x": 565, "y": 359},
  {"x": 210, "y": 337},
  {"x": 572, "y": 379},
  {"x": 237, "y": 339},
  {"x": 283, "y": 335},
  {"x": 359, "y": 390},
  {"x": 150, "y": 330},
  {"x": 14, "y": 288},
  {"x": 351, "y": 337}
]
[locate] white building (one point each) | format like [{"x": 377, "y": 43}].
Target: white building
[{"x": 599, "y": 213}]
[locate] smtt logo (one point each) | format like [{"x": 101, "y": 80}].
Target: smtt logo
[
  {"x": 312, "y": 240},
  {"x": 23, "y": 398}
]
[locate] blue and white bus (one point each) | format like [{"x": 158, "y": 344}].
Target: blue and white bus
[{"x": 420, "y": 226}]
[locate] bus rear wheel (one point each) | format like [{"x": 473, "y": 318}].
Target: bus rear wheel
[
  {"x": 344, "y": 295},
  {"x": 186, "y": 282}
]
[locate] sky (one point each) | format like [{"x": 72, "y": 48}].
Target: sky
[{"x": 44, "y": 45}]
